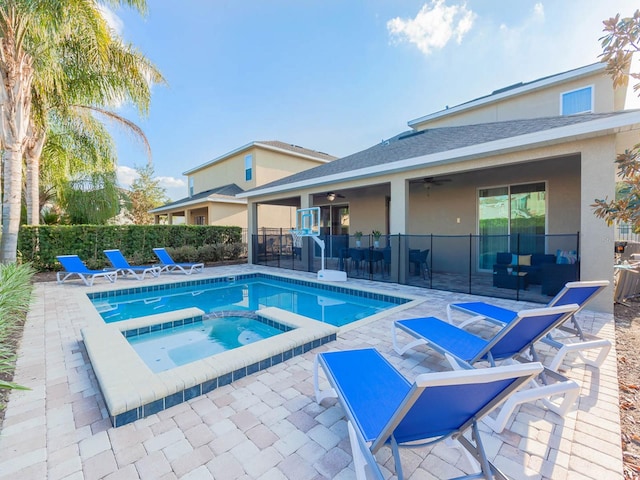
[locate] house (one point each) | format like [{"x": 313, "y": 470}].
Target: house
[
  {"x": 542, "y": 150},
  {"x": 213, "y": 186}
]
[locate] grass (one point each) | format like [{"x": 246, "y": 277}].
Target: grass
[{"x": 15, "y": 297}]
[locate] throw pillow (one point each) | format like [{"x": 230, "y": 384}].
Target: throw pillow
[
  {"x": 566, "y": 257},
  {"x": 524, "y": 260},
  {"x": 514, "y": 259}
]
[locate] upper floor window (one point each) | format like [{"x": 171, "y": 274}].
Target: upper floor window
[
  {"x": 577, "y": 101},
  {"x": 248, "y": 167},
  {"x": 191, "y": 187}
]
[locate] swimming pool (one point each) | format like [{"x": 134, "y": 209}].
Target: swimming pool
[
  {"x": 132, "y": 390},
  {"x": 337, "y": 306},
  {"x": 163, "y": 349}
]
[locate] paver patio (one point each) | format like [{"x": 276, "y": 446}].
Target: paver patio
[{"x": 268, "y": 425}]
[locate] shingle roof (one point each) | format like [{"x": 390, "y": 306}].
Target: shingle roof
[
  {"x": 225, "y": 191},
  {"x": 412, "y": 144},
  {"x": 297, "y": 149}
]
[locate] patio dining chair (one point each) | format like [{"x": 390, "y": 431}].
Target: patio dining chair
[
  {"x": 121, "y": 265},
  {"x": 383, "y": 408},
  {"x": 515, "y": 339},
  {"x": 167, "y": 263},
  {"x": 564, "y": 338},
  {"x": 74, "y": 266}
]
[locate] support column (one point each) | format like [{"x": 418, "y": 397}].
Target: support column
[
  {"x": 597, "y": 180},
  {"x": 398, "y": 221},
  {"x": 252, "y": 228}
]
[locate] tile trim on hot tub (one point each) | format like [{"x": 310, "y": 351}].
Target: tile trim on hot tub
[{"x": 132, "y": 391}]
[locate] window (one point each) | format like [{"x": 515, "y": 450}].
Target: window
[
  {"x": 191, "y": 187},
  {"x": 198, "y": 220},
  {"x": 577, "y": 101},
  {"x": 248, "y": 164}
]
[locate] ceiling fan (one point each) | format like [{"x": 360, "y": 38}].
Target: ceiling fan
[
  {"x": 435, "y": 181},
  {"x": 331, "y": 196}
]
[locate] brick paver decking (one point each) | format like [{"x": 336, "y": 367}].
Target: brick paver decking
[{"x": 268, "y": 425}]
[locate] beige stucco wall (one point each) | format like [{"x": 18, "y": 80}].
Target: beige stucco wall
[
  {"x": 268, "y": 165},
  {"x": 271, "y": 165},
  {"x": 224, "y": 172},
  {"x": 228, "y": 214},
  {"x": 276, "y": 216},
  {"x": 538, "y": 103}
]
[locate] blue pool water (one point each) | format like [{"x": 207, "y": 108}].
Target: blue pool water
[
  {"x": 165, "y": 349},
  {"x": 335, "y": 305}
]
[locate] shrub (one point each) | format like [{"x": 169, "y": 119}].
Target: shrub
[
  {"x": 15, "y": 297},
  {"x": 40, "y": 244}
]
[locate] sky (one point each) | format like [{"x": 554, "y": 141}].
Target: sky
[{"x": 333, "y": 75}]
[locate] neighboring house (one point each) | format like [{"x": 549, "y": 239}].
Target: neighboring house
[
  {"x": 213, "y": 186},
  {"x": 543, "y": 148}
]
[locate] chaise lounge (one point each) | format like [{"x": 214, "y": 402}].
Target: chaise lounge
[
  {"x": 569, "y": 339},
  {"x": 464, "y": 350},
  {"x": 121, "y": 265},
  {"x": 167, "y": 263},
  {"x": 74, "y": 266},
  {"x": 384, "y": 408}
]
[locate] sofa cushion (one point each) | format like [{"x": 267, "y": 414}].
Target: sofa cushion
[
  {"x": 565, "y": 257},
  {"x": 524, "y": 260},
  {"x": 503, "y": 258}
]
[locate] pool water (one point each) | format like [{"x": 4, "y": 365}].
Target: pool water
[
  {"x": 165, "y": 349},
  {"x": 252, "y": 294}
]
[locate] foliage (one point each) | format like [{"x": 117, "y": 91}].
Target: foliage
[
  {"x": 62, "y": 66},
  {"x": 93, "y": 199},
  {"x": 146, "y": 194},
  {"x": 376, "y": 234},
  {"x": 15, "y": 296},
  {"x": 41, "y": 244},
  {"x": 619, "y": 44},
  {"x": 358, "y": 235}
]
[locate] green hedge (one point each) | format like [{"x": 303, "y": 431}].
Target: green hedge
[{"x": 40, "y": 244}]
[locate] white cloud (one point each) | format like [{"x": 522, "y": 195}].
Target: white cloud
[
  {"x": 171, "y": 182},
  {"x": 434, "y": 26},
  {"x": 126, "y": 176},
  {"x": 538, "y": 10},
  {"x": 175, "y": 187}
]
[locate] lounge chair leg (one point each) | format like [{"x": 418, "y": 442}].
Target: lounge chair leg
[
  {"x": 402, "y": 350},
  {"x": 364, "y": 462},
  {"x": 569, "y": 388},
  {"x": 320, "y": 394},
  {"x": 476, "y": 453},
  {"x": 602, "y": 344}
]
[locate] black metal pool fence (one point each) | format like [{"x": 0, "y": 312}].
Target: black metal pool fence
[{"x": 472, "y": 264}]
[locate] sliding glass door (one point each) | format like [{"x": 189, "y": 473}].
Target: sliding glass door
[{"x": 511, "y": 218}]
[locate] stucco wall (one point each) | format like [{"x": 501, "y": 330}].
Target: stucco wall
[
  {"x": 224, "y": 172},
  {"x": 226, "y": 214},
  {"x": 538, "y": 103}
]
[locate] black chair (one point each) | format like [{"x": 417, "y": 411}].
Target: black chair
[
  {"x": 357, "y": 256},
  {"x": 386, "y": 260},
  {"x": 343, "y": 259},
  {"x": 419, "y": 260}
]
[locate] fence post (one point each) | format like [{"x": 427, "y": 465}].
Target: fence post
[{"x": 470, "y": 255}]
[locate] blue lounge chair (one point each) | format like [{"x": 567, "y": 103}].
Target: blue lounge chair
[
  {"x": 121, "y": 265},
  {"x": 579, "y": 293},
  {"x": 167, "y": 263},
  {"x": 383, "y": 408},
  {"x": 74, "y": 266},
  {"x": 463, "y": 349}
]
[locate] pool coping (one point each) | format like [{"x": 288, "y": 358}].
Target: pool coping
[{"x": 132, "y": 391}]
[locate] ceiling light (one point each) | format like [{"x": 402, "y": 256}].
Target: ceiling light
[{"x": 331, "y": 196}]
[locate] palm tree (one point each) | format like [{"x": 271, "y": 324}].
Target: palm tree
[
  {"x": 85, "y": 83},
  {"x": 38, "y": 41}
]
